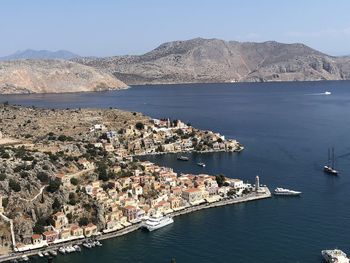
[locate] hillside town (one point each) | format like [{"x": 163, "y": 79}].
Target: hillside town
[{"x": 86, "y": 181}]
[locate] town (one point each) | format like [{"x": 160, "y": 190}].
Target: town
[{"x": 88, "y": 183}]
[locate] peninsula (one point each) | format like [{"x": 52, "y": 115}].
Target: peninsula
[{"x": 71, "y": 174}]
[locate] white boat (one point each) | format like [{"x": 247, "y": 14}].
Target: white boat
[
  {"x": 70, "y": 249},
  {"x": 53, "y": 252},
  {"x": 25, "y": 258},
  {"x": 154, "y": 223},
  {"x": 328, "y": 93},
  {"x": 46, "y": 254},
  {"x": 87, "y": 245},
  {"x": 201, "y": 164},
  {"x": 334, "y": 256},
  {"x": 40, "y": 254},
  {"x": 77, "y": 248},
  {"x": 98, "y": 243},
  {"x": 62, "y": 250},
  {"x": 286, "y": 192}
]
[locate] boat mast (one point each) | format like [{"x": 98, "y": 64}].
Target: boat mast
[
  {"x": 329, "y": 157},
  {"x": 333, "y": 160}
]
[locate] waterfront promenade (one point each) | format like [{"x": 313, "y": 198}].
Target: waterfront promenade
[{"x": 262, "y": 194}]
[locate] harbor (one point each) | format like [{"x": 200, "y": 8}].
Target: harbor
[{"x": 263, "y": 193}]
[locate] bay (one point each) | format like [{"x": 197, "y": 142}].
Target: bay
[{"x": 286, "y": 129}]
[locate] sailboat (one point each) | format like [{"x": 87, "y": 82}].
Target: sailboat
[{"x": 330, "y": 168}]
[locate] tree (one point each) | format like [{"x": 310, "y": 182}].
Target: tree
[
  {"x": 56, "y": 205},
  {"x": 83, "y": 221},
  {"x": 220, "y": 179},
  {"x": 43, "y": 177},
  {"x": 74, "y": 181},
  {"x": 54, "y": 185},
  {"x": 14, "y": 185},
  {"x": 2, "y": 176},
  {"x": 139, "y": 126}
]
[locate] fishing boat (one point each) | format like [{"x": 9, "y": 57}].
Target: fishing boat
[{"x": 330, "y": 167}]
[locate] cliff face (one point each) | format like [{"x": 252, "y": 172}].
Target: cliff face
[
  {"x": 214, "y": 60},
  {"x": 53, "y": 76}
]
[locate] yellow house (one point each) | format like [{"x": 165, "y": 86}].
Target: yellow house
[
  {"x": 60, "y": 220},
  {"x": 65, "y": 233},
  {"x": 90, "y": 230},
  {"x": 192, "y": 195},
  {"x": 76, "y": 230}
]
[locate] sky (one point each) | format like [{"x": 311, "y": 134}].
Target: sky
[{"x": 116, "y": 27}]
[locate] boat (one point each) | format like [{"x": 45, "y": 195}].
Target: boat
[
  {"x": 87, "y": 245},
  {"x": 25, "y": 258},
  {"x": 53, "y": 252},
  {"x": 334, "y": 256},
  {"x": 328, "y": 93},
  {"x": 98, "y": 243},
  {"x": 70, "y": 249},
  {"x": 46, "y": 254},
  {"x": 286, "y": 192},
  {"x": 62, "y": 250},
  {"x": 154, "y": 222},
  {"x": 182, "y": 158},
  {"x": 330, "y": 167},
  {"x": 40, "y": 254},
  {"x": 77, "y": 248},
  {"x": 201, "y": 164}
]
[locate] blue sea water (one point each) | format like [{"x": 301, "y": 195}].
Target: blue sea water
[{"x": 286, "y": 129}]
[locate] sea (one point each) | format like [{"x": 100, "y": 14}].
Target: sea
[{"x": 286, "y": 129}]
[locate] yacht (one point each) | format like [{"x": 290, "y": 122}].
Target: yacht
[
  {"x": 182, "y": 158},
  {"x": 335, "y": 256},
  {"x": 283, "y": 191},
  {"x": 328, "y": 93},
  {"x": 154, "y": 223},
  {"x": 330, "y": 167},
  {"x": 201, "y": 164}
]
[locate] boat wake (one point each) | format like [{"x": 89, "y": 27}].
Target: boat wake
[{"x": 319, "y": 94}]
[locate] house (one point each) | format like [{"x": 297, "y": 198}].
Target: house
[
  {"x": 60, "y": 220},
  {"x": 64, "y": 179},
  {"x": 192, "y": 195},
  {"x": 50, "y": 236},
  {"x": 236, "y": 183},
  {"x": 65, "y": 233},
  {"x": 37, "y": 239},
  {"x": 90, "y": 230},
  {"x": 76, "y": 230},
  {"x": 86, "y": 164},
  {"x": 174, "y": 202},
  {"x": 130, "y": 212}
]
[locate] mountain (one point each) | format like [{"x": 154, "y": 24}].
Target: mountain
[
  {"x": 40, "y": 54},
  {"x": 53, "y": 76},
  {"x": 215, "y": 60}
]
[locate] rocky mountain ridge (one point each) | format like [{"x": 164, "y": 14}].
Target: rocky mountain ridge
[
  {"x": 53, "y": 76},
  {"x": 40, "y": 54},
  {"x": 213, "y": 60}
]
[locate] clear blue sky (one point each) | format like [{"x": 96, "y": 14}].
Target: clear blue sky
[{"x": 106, "y": 27}]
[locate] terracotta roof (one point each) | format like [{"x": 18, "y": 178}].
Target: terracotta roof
[
  {"x": 49, "y": 233},
  {"x": 192, "y": 190},
  {"x": 129, "y": 207},
  {"x": 36, "y": 236}
]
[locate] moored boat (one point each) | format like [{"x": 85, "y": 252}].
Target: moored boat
[
  {"x": 40, "y": 254},
  {"x": 154, "y": 222}
]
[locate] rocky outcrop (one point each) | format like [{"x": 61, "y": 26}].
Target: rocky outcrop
[
  {"x": 53, "y": 76},
  {"x": 214, "y": 60}
]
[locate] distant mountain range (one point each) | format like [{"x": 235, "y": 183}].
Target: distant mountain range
[
  {"x": 40, "y": 54},
  {"x": 215, "y": 60}
]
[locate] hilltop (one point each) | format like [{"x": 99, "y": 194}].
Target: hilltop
[
  {"x": 53, "y": 76},
  {"x": 214, "y": 60}
]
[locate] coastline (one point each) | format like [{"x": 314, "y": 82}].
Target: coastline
[{"x": 247, "y": 198}]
